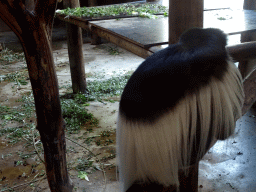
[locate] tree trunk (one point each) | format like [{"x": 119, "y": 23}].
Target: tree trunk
[
  {"x": 34, "y": 31},
  {"x": 75, "y": 52}
]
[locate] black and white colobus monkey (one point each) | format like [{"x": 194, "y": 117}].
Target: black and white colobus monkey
[{"x": 176, "y": 104}]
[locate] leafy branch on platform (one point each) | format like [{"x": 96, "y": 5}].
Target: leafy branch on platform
[{"x": 138, "y": 9}]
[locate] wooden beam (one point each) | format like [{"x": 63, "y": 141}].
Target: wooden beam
[
  {"x": 74, "y": 20},
  {"x": 243, "y": 51},
  {"x": 121, "y": 42},
  {"x": 239, "y": 52}
]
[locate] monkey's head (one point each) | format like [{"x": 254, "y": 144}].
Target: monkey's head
[{"x": 202, "y": 38}]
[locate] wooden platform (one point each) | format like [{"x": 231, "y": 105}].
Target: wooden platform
[
  {"x": 151, "y": 32},
  {"x": 138, "y": 34},
  {"x": 144, "y": 32},
  {"x": 235, "y": 22}
]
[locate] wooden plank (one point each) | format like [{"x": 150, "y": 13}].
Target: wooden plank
[
  {"x": 141, "y": 31},
  {"x": 74, "y": 20},
  {"x": 124, "y": 43},
  {"x": 231, "y": 21},
  {"x": 151, "y": 32}
]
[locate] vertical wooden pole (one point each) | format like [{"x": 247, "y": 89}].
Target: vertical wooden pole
[
  {"x": 184, "y": 14},
  {"x": 189, "y": 183},
  {"x": 95, "y": 39},
  {"x": 247, "y": 66},
  {"x": 250, "y": 4},
  {"x": 75, "y": 52}
]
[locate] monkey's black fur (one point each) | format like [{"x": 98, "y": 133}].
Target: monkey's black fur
[{"x": 167, "y": 76}]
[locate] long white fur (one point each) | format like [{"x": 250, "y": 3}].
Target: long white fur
[{"x": 157, "y": 151}]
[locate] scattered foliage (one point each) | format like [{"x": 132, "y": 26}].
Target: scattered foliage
[
  {"x": 137, "y": 9},
  {"x": 75, "y": 115},
  {"x": 20, "y": 78},
  {"x": 107, "y": 88},
  {"x": 7, "y": 56}
]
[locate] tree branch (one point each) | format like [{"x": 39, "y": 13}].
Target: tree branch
[
  {"x": 17, "y": 17},
  {"x": 6, "y": 15}
]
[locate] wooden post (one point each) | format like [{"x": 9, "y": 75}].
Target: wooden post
[
  {"x": 189, "y": 182},
  {"x": 247, "y": 66},
  {"x": 75, "y": 52},
  {"x": 249, "y": 4},
  {"x": 184, "y": 14},
  {"x": 95, "y": 38},
  {"x": 34, "y": 31}
]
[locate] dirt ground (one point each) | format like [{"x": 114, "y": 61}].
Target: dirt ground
[{"x": 98, "y": 62}]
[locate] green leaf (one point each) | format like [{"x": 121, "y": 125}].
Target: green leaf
[
  {"x": 83, "y": 175},
  {"x": 23, "y": 82},
  {"x": 8, "y": 117}
]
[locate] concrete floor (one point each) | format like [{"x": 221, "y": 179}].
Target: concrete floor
[{"x": 231, "y": 165}]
